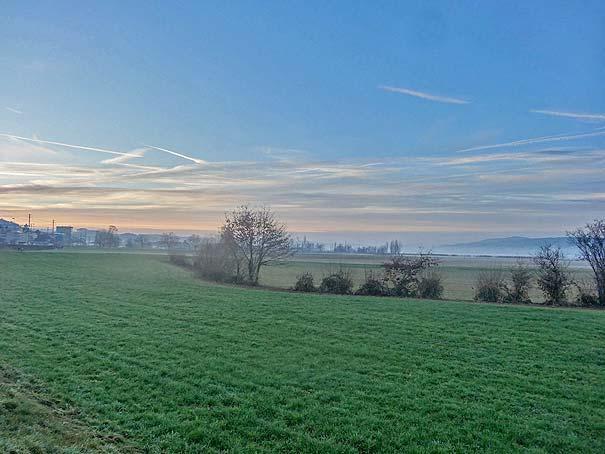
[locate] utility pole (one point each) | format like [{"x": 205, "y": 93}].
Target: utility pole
[{"x": 29, "y": 227}]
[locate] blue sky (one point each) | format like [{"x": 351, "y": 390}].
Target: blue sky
[{"x": 344, "y": 116}]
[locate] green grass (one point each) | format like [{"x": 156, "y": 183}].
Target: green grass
[
  {"x": 30, "y": 422},
  {"x": 155, "y": 360}
]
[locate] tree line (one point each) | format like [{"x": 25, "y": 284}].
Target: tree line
[
  {"x": 401, "y": 276},
  {"x": 552, "y": 274},
  {"x": 251, "y": 239}
]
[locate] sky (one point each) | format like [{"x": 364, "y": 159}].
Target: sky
[{"x": 427, "y": 121}]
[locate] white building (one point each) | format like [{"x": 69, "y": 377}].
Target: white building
[
  {"x": 84, "y": 237},
  {"x": 11, "y": 233}
]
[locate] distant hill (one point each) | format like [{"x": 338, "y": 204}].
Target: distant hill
[{"x": 514, "y": 245}]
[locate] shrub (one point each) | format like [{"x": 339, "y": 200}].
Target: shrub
[
  {"x": 518, "y": 291},
  {"x": 402, "y": 273},
  {"x": 338, "y": 283},
  {"x": 586, "y": 294},
  {"x": 373, "y": 286},
  {"x": 553, "y": 275},
  {"x": 490, "y": 286},
  {"x": 430, "y": 286},
  {"x": 304, "y": 283},
  {"x": 179, "y": 259},
  {"x": 213, "y": 261}
]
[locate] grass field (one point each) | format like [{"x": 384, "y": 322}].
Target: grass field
[
  {"x": 458, "y": 272},
  {"x": 125, "y": 352}
]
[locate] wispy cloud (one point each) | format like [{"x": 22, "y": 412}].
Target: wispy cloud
[
  {"x": 542, "y": 156},
  {"x": 424, "y": 95},
  {"x": 482, "y": 193},
  {"x": 534, "y": 140},
  {"x": 13, "y": 110},
  {"x": 579, "y": 116}
]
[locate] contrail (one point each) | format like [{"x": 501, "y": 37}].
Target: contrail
[
  {"x": 423, "y": 95},
  {"x": 103, "y": 150},
  {"x": 79, "y": 147},
  {"x": 174, "y": 153},
  {"x": 554, "y": 138},
  {"x": 581, "y": 116},
  {"x": 138, "y": 153},
  {"x": 16, "y": 111}
]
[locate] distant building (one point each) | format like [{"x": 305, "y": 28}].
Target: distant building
[
  {"x": 11, "y": 233},
  {"x": 6, "y": 226},
  {"x": 41, "y": 238},
  {"x": 84, "y": 237},
  {"x": 64, "y": 234}
]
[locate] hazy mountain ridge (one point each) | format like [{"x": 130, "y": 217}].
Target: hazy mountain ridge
[{"x": 514, "y": 245}]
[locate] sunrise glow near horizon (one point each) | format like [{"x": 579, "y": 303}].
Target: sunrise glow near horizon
[{"x": 484, "y": 121}]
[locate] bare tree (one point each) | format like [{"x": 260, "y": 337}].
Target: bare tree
[
  {"x": 403, "y": 273},
  {"x": 590, "y": 240},
  {"x": 107, "y": 238},
  {"x": 257, "y": 238},
  {"x": 194, "y": 241},
  {"x": 169, "y": 240},
  {"x": 553, "y": 275}
]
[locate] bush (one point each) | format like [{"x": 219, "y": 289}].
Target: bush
[
  {"x": 518, "y": 292},
  {"x": 179, "y": 259},
  {"x": 214, "y": 262},
  {"x": 553, "y": 274},
  {"x": 402, "y": 274},
  {"x": 430, "y": 286},
  {"x": 304, "y": 283},
  {"x": 490, "y": 287},
  {"x": 338, "y": 283},
  {"x": 373, "y": 286},
  {"x": 586, "y": 294}
]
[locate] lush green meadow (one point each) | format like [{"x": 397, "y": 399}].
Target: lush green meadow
[
  {"x": 126, "y": 352},
  {"x": 458, "y": 272}
]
